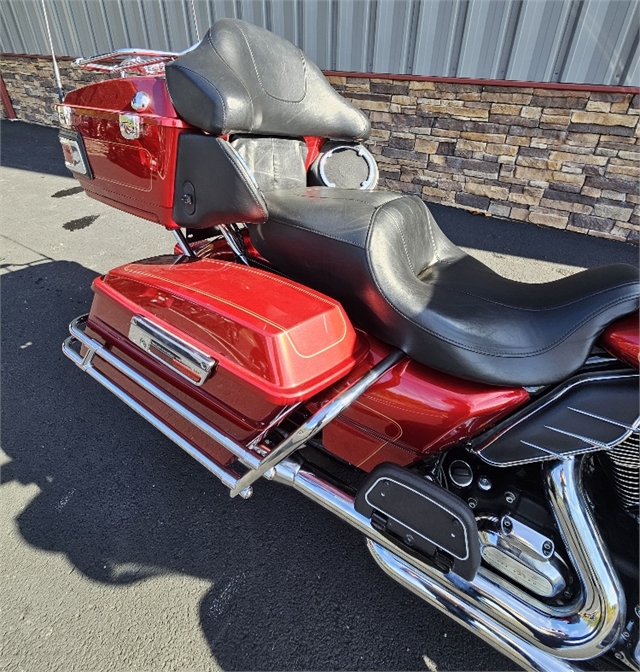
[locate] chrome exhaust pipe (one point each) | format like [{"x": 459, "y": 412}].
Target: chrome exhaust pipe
[{"x": 534, "y": 635}]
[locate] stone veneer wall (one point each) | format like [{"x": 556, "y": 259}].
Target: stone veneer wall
[
  {"x": 566, "y": 158},
  {"x": 562, "y": 157}
]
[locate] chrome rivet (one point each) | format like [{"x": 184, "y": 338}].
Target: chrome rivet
[
  {"x": 509, "y": 497},
  {"x": 409, "y": 539},
  {"x": 547, "y": 548},
  {"x": 484, "y": 483},
  {"x": 619, "y": 655},
  {"x": 140, "y": 101},
  {"x": 270, "y": 474},
  {"x": 246, "y": 493},
  {"x": 472, "y": 502}
]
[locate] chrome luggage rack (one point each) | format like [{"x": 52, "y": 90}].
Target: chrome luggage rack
[
  {"x": 123, "y": 61},
  {"x": 259, "y": 459}
]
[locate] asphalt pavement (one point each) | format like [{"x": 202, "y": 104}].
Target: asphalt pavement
[{"x": 121, "y": 553}]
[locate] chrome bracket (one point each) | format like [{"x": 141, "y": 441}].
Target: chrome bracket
[{"x": 317, "y": 421}]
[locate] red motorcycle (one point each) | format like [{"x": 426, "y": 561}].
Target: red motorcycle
[{"x": 481, "y": 433}]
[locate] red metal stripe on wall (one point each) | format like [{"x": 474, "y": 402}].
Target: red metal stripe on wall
[
  {"x": 565, "y": 86},
  {"x": 6, "y": 101}
]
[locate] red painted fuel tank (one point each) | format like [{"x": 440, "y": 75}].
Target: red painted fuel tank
[
  {"x": 622, "y": 339},
  {"x": 414, "y": 411},
  {"x": 132, "y": 153}
]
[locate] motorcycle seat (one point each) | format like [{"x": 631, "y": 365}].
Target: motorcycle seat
[{"x": 382, "y": 255}]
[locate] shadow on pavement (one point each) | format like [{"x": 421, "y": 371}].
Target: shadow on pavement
[
  {"x": 521, "y": 239},
  {"x": 292, "y": 587},
  {"x": 31, "y": 147}
]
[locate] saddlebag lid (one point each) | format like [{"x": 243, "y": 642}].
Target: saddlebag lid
[{"x": 282, "y": 340}]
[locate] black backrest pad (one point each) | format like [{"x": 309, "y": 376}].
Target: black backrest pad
[
  {"x": 213, "y": 185},
  {"x": 244, "y": 79}
]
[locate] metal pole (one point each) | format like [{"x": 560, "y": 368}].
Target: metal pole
[
  {"x": 195, "y": 20},
  {"x": 56, "y": 72}
]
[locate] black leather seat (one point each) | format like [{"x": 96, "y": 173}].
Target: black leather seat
[{"x": 383, "y": 256}]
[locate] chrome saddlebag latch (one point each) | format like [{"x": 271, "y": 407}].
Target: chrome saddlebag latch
[{"x": 175, "y": 353}]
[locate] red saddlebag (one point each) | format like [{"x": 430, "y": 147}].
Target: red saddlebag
[{"x": 237, "y": 345}]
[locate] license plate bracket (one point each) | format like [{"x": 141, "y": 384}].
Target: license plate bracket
[{"x": 75, "y": 154}]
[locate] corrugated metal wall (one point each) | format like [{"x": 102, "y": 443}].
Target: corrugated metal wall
[{"x": 583, "y": 41}]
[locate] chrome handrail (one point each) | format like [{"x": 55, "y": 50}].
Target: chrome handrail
[
  {"x": 227, "y": 477},
  {"x": 151, "y": 56}
]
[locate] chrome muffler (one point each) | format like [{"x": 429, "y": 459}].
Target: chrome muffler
[{"x": 533, "y": 634}]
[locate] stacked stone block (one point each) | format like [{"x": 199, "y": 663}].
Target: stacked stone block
[{"x": 562, "y": 157}]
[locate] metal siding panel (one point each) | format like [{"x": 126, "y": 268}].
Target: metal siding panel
[
  {"x": 538, "y": 39},
  {"x": 79, "y": 37},
  {"x": 6, "y": 43},
  {"x": 473, "y": 38},
  {"x": 18, "y": 37},
  {"x": 285, "y": 19},
  {"x": 632, "y": 76},
  {"x": 392, "y": 36},
  {"x": 111, "y": 14},
  {"x": 352, "y": 35},
  {"x": 177, "y": 28},
  {"x": 254, "y": 11},
  {"x": 491, "y": 38},
  {"x": 145, "y": 24},
  {"x": 60, "y": 26},
  {"x": 29, "y": 42},
  {"x": 317, "y": 32},
  {"x": 134, "y": 21},
  {"x": 99, "y": 27},
  {"x": 620, "y": 38},
  {"x": 202, "y": 16},
  {"x": 586, "y": 41},
  {"x": 441, "y": 27},
  {"x": 507, "y": 38},
  {"x": 156, "y": 25}
]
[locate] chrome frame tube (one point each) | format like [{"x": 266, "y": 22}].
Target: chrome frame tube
[
  {"x": 232, "y": 243},
  {"x": 318, "y": 420},
  {"x": 258, "y": 465},
  {"x": 582, "y": 630},
  {"x": 97, "y": 349},
  {"x": 184, "y": 246}
]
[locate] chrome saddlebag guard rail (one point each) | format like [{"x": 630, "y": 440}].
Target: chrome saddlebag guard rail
[{"x": 257, "y": 466}]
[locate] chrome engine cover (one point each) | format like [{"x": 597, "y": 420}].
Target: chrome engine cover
[{"x": 524, "y": 556}]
